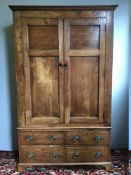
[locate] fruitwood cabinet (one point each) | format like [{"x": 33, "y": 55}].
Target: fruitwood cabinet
[{"x": 64, "y": 77}]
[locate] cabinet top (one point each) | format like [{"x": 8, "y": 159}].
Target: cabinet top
[{"x": 99, "y": 7}]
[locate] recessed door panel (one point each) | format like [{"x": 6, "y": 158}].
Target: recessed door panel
[
  {"x": 84, "y": 86},
  {"x": 83, "y": 37},
  {"x": 44, "y": 86},
  {"x": 43, "y": 37}
]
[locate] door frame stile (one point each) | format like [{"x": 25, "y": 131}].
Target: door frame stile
[
  {"x": 28, "y": 112},
  {"x": 61, "y": 69},
  {"x": 67, "y": 70},
  {"x": 101, "y": 70}
]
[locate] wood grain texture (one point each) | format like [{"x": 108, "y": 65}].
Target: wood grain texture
[
  {"x": 42, "y": 154},
  {"x": 19, "y": 69},
  {"x": 84, "y": 86},
  {"x": 67, "y": 71},
  {"x": 43, "y": 53},
  {"x": 108, "y": 68},
  {"x": 42, "y": 138},
  {"x": 43, "y": 89},
  {"x": 26, "y": 67},
  {"x": 63, "y": 14},
  {"x": 102, "y": 69},
  {"x": 85, "y": 71},
  {"x": 84, "y": 52},
  {"x": 43, "y": 37},
  {"x": 87, "y": 154},
  {"x": 83, "y": 37},
  {"x": 88, "y": 137},
  {"x": 67, "y": 128},
  {"x": 61, "y": 70},
  {"x": 44, "y": 86},
  {"x": 64, "y": 66},
  {"x": 106, "y": 165}
]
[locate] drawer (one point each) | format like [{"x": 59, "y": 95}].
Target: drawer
[
  {"x": 42, "y": 154},
  {"x": 42, "y": 137},
  {"x": 87, "y": 154},
  {"x": 90, "y": 137}
]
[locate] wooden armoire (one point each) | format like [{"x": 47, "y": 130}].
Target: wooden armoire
[{"x": 64, "y": 78}]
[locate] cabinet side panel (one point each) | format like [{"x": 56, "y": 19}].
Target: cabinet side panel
[
  {"x": 19, "y": 68},
  {"x": 108, "y": 68}
]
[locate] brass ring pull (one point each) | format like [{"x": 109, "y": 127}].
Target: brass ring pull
[
  {"x": 30, "y": 155},
  {"x": 52, "y": 138},
  {"x": 75, "y": 138},
  {"x": 53, "y": 155},
  {"x": 99, "y": 154},
  {"x": 29, "y": 138},
  {"x": 76, "y": 155},
  {"x": 99, "y": 138}
]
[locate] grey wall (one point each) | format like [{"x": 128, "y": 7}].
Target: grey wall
[{"x": 8, "y": 110}]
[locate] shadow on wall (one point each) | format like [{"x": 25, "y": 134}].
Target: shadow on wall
[{"x": 8, "y": 31}]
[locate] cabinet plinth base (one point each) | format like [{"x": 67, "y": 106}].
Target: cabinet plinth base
[{"x": 28, "y": 166}]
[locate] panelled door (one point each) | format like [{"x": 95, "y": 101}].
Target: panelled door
[
  {"x": 84, "y": 45},
  {"x": 43, "y": 56},
  {"x": 64, "y": 63}
]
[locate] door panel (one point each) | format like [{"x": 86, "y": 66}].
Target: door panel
[
  {"x": 43, "y": 51},
  {"x": 84, "y": 81},
  {"x": 84, "y": 43},
  {"x": 44, "y": 86},
  {"x": 83, "y": 37},
  {"x": 43, "y": 37}
]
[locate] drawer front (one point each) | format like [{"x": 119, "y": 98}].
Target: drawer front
[
  {"x": 42, "y": 154},
  {"x": 87, "y": 154},
  {"x": 42, "y": 137},
  {"x": 90, "y": 137}
]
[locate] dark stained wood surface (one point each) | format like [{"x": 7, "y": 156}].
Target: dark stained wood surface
[{"x": 100, "y": 7}]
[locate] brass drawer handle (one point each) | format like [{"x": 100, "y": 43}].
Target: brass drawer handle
[
  {"x": 29, "y": 138},
  {"x": 52, "y": 138},
  {"x": 76, "y": 155},
  {"x": 53, "y": 155},
  {"x": 99, "y": 154},
  {"x": 30, "y": 155},
  {"x": 75, "y": 138},
  {"x": 99, "y": 138}
]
